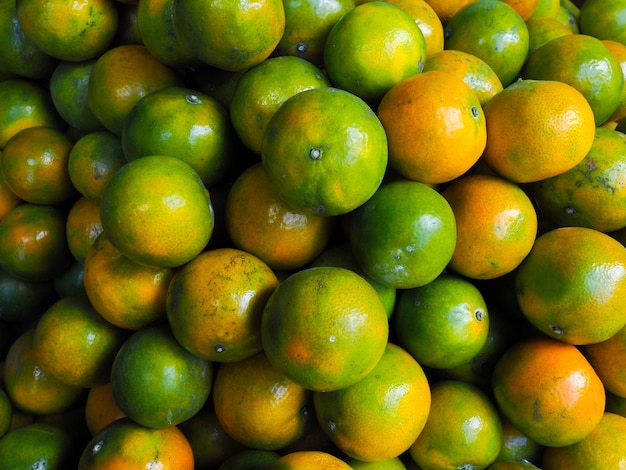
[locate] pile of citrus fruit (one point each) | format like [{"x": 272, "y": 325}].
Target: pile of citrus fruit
[{"x": 312, "y": 234}]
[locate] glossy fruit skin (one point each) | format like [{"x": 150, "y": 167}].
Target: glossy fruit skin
[{"x": 604, "y": 19}]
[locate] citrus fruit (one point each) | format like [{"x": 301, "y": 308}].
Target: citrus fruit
[
  {"x": 364, "y": 422},
  {"x": 22, "y": 301},
  {"x": 586, "y": 64},
  {"x": 157, "y": 382},
  {"x": 8, "y": 199},
  {"x": 603, "y": 19},
  {"x": 232, "y": 36},
  {"x": 260, "y": 222},
  {"x": 215, "y": 304},
  {"x": 571, "y": 283},
  {"x": 250, "y": 459},
  {"x": 443, "y": 323},
  {"x": 537, "y": 129},
  {"x": 568, "y": 18},
  {"x": 33, "y": 243},
  {"x": 446, "y": 9},
  {"x": 428, "y": 22},
  {"x": 157, "y": 211},
  {"x": 82, "y": 227},
  {"x": 517, "y": 447},
  {"x": 182, "y": 123},
  {"x": 421, "y": 243},
  {"x": 259, "y": 406},
  {"x": 605, "y": 358},
  {"x": 435, "y": 127},
  {"x": 6, "y": 413},
  {"x": 493, "y": 31},
  {"x": 448, "y": 440},
  {"x": 308, "y": 460},
  {"x": 324, "y": 327},
  {"x": 525, "y": 8},
  {"x": 546, "y": 9},
  {"x": 126, "y": 444},
  {"x": 69, "y": 30},
  {"x": 38, "y": 445},
  {"x": 548, "y": 391},
  {"x": 542, "y": 30},
  {"x": 325, "y": 151},
  {"x": 126, "y": 294},
  {"x": 475, "y": 72},
  {"x": 395, "y": 463},
  {"x": 615, "y": 404},
  {"x": 355, "y": 62},
  {"x": 122, "y": 76},
  {"x": 496, "y": 225},
  {"x": 263, "y": 88},
  {"x": 307, "y": 24},
  {"x": 619, "y": 52},
  {"x": 101, "y": 408}
]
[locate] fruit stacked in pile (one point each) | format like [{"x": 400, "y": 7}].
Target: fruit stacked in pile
[{"x": 312, "y": 234}]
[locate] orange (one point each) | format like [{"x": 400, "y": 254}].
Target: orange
[
  {"x": 446, "y": 9},
  {"x": 364, "y": 422},
  {"x": 525, "y": 8},
  {"x": 101, "y": 408},
  {"x": 355, "y": 62},
  {"x": 155, "y": 23},
  {"x": 619, "y": 51},
  {"x": 568, "y": 18},
  {"x": 548, "y": 391},
  {"x": 182, "y": 123},
  {"x": 260, "y": 222},
  {"x": 93, "y": 160},
  {"x": 475, "y": 72},
  {"x": 232, "y": 36},
  {"x": 603, "y": 19},
  {"x": 157, "y": 211},
  {"x": 605, "y": 358},
  {"x": 496, "y": 225},
  {"x": 421, "y": 243},
  {"x": 6, "y": 413},
  {"x": 340, "y": 255},
  {"x": 542, "y": 30},
  {"x": 250, "y": 459},
  {"x": 215, "y": 303},
  {"x": 448, "y": 440},
  {"x": 572, "y": 198},
  {"x": 429, "y": 23},
  {"x": 34, "y": 165},
  {"x": 573, "y": 59},
  {"x": 262, "y": 89},
  {"x": 18, "y": 54},
  {"x": 23, "y": 301},
  {"x": 156, "y": 381},
  {"x": 74, "y": 344},
  {"x": 325, "y": 151},
  {"x": 68, "y": 89},
  {"x": 518, "y": 447},
  {"x": 493, "y": 31},
  {"x": 33, "y": 243},
  {"x": 127, "y": 445},
  {"x": 28, "y": 386},
  {"x": 82, "y": 227},
  {"x": 615, "y": 404},
  {"x": 324, "y": 327},
  {"x": 571, "y": 284},
  {"x": 38, "y": 445},
  {"x": 8, "y": 199},
  {"x": 537, "y": 129},
  {"x": 307, "y": 24},
  {"x": 25, "y": 103},
  {"x": 121, "y": 77},
  {"x": 69, "y": 30},
  {"x": 443, "y": 323},
  {"x": 125, "y": 293},
  {"x": 435, "y": 127},
  {"x": 308, "y": 460},
  {"x": 546, "y": 9},
  {"x": 259, "y": 406},
  {"x": 603, "y": 448}
]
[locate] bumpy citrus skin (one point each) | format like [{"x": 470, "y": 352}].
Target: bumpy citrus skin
[
  {"x": 606, "y": 358},
  {"x": 38, "y": 445}
]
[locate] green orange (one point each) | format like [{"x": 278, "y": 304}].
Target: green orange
[{"x": 604, "y": 19}]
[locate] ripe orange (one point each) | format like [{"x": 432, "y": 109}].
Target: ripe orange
[
  {"x": 525, "y": 8},
  {"x": 435, "y": 127},
  {"x": 232, "y": 36},
  {"x": 308, "y": 460},
  {"x": 355, "y": 62},
  {"x": 427, "y": 20},
  {"x": 82, "y": 227},
  {"x": 364, "y": 422},
  {"x": 69, "y": 30},
  {"x": 215, "y": 302},
  {"x": 156, "y": 381},
  {"x": 101, "y": 409},
  {"x": 493, "y": 31},
  {"x": 157, "y": 211},
  {"x": 421, "y": 244},
  {"x": 325, "y": 151},
  {"x": 537, "y": 129},
  {"x": 446, "y": 9},
  {"x": 126, "y": 294},
  {"x": 448, "y": 440},
  {"x": 259, "y": 406},
  {"x": 549, "y": 391},
  {"x": 496, "y": 225},
  {"x": 127, "y": 445},
  {"x": 262, "y": 89},
  {"x": 325, "y": 328},
  {"x": 603, "y": 19},
  {"x": 571, "y": 285},
  {"x": 606, "y": 357},
  {"x": 260, "y": 222}
]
